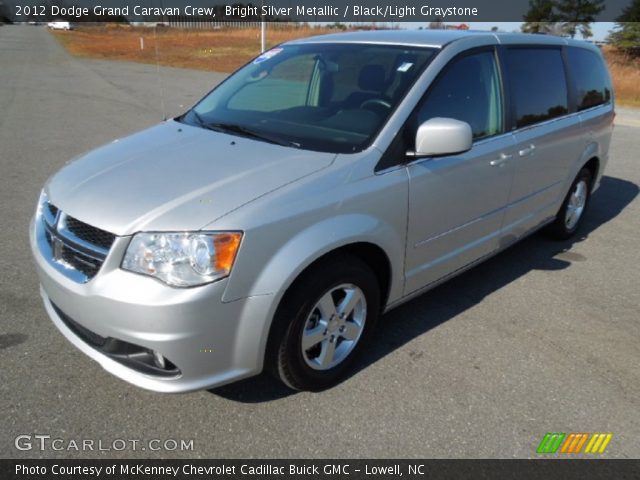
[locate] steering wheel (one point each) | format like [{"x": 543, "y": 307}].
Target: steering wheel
[{"x": 376, "y": 105}]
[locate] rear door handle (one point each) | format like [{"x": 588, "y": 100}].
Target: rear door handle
[
  {"x": 527, "y": 151},
  {"x": 500, "y": 160}
]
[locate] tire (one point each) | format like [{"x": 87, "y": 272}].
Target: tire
[
  {"x": 313, "y": 311},
  {"x": 574, "y": 207}
]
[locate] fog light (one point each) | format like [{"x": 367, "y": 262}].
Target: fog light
[{"x": 159, "y": 360}]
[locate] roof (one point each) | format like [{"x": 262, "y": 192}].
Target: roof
[{"x": 436, "y": 38}]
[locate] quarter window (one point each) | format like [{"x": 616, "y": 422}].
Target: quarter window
[
  {"x": 590, "y": 78},
  {"x": 469, "y": 90},
  {"x": 537, "y": 83}
]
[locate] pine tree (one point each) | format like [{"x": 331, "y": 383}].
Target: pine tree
[
  {"x": 540, "y": 17},
  {"x": 578, "y": 15},
  {"x": 626, "y": 34}
]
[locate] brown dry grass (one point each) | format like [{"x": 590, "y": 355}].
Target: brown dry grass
[
  {"x": 625, "y": 73},
  {"x": 221, "y": 50},
  {"x": 227, "y": 49}
]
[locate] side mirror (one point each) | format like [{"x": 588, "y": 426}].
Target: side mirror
[{"x": 442, "y": 136}]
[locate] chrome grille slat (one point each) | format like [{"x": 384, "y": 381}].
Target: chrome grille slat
[
  {"x": 49, "y": 214},
  {"x": 74, "y": 243},
  {"x": 53, "y": 210},
  {"x": 77, "y": 242},
  {"x": 87, "y": 265},
  {"x": 78, "y": 249}
]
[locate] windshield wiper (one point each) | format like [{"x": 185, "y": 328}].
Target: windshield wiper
[
  {"x": 247, "y": 132},
  {"x": 200, "y": 120},
  {"x": 241, "y": 130}
]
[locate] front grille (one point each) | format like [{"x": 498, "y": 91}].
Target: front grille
[
  {"x": 84, "y": 263},
  {"x": 90, "y": 234},
  {"x": 78, "y": 249},
  {"x": 53, "y": 210}
]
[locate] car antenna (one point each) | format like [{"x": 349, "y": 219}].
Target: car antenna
[{"x": 158, "y": 74}]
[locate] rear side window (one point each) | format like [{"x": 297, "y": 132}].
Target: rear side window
[
  {"x": 590, "y": 78},
  {"x": 537, "y": 83},
  {"x": 469, "y": 90}
]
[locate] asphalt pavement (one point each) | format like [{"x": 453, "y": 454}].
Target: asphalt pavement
[{"x": 544, "y": 337}]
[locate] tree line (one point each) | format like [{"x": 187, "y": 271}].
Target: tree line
[{"x": 569, "y": 17}]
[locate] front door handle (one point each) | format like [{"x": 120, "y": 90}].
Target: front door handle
[
  {"x": 500, "y": 160},
  {"x": 527, "y": 151}
]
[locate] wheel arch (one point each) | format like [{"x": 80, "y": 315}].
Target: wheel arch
[
  {"x": 593, "y": 165},
  {"x": 369, "y": 253},
  {"x": 590, "y": 159}
]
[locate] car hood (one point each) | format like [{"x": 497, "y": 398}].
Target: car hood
[{"x": 174, "y": 177}]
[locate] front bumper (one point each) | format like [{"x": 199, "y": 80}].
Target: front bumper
[{"x": 209, "y": 341}]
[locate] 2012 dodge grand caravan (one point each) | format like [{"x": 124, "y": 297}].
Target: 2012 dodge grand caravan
[{"x": 328, "y": 180}]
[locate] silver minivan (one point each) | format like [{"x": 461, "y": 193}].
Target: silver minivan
[{"x": 327, "y": 181}]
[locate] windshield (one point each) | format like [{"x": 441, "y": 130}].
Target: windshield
[{"x": 323, "y": 97}]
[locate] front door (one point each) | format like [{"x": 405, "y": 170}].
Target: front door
[{"x": 457, "y": 203}]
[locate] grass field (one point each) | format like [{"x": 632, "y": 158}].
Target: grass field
[
  {"x": 221, "y": 50},
  {"x": 625, "y": 72},
  {"x": 225, "y": 50}
]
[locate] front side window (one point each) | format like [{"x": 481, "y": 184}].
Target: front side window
[
  {"x": 323, "y": 97},
  {"x": 590, "y": 78},
  {"x": 537, "y": 83},
  {"x": 468, "y": 90}
]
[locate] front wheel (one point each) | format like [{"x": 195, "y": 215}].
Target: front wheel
[
  {"x": 323, "y": 322},
  {"x": 573, "y": 208}
]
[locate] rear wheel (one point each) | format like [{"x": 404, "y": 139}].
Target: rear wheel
[
  {"x": 572, "y": 211},
  {"x": 323, "y": 322}
]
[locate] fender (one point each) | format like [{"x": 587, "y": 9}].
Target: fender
[
  {"x": 292, "y": 258},
  {"x": 300, "y": 251}
]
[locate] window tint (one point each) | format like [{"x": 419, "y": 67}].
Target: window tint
[
  {"x": 537, "y": 83},
  {"x": 590, "y": 78},
  {"x": 469, "y": 90},
  {"x": 285, "y": 87}
]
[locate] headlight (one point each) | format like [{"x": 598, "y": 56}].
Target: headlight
[{"x": 183, "y": 259}]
